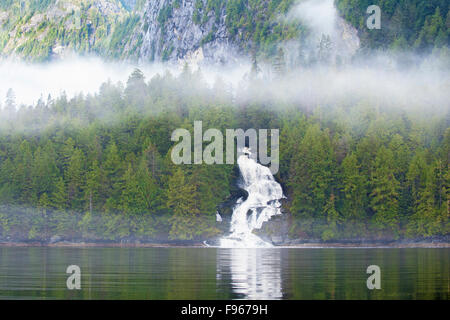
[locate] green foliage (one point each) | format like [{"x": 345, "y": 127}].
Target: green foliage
[
  {"x": 312, "y": 170},
  {"x": 99, "y": 167},
  {"x": 256, "y": 25},
  {"x": 30, "y": 33},
  {"x": 120, "y": 35},
  {"x": 405, "y": 24},
  {"x": 384, "y": 195}
]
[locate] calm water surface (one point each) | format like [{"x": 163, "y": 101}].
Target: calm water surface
[{"x": 210, "y": 273}]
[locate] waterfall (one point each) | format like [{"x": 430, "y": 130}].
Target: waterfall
[{"x": 262, "y": 203}]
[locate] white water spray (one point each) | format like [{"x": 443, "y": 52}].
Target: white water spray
[{"x": 262, "y": 203}]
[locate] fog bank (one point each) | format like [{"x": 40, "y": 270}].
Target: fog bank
[{"x": 76, "y": 74}]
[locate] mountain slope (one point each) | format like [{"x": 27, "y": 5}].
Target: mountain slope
[
  {"x": 157, "y": 30},
  {"x": 40, "y": 30},
  {"x": 210, "y": 30}
]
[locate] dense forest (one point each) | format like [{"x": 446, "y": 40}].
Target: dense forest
[
  {"x": 405, "y": 24},
  {"x": 98, "y": 166}
]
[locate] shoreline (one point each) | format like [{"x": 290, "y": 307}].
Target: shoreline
[{"x": 202, "y": 245}]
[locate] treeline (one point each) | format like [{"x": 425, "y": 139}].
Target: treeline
[{"x": 99, "y": 167}]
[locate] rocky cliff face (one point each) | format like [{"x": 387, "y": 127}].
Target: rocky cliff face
[
  {"x": 128, "y": 4},
  {"x": 190, "y": 31},
  {"x": 196, "y": 32},
  {"x": 168, "y": 31}
]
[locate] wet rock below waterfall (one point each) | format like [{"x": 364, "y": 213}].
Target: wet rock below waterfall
[{"x": 275, "y": 230}]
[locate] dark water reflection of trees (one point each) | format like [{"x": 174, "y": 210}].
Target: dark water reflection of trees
[{"x": 200, "y": 273}]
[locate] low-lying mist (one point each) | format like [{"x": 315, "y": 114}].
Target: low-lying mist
[
  {"x": 76, "y": 74},
  {"x": 307, "y": 76},
  {"x": 378, "y": 79}
]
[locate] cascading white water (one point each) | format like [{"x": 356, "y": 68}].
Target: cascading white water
[{"x": 262, "y": 203}]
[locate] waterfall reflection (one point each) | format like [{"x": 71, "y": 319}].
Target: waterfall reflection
[{"x": 253, "y": 273}]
